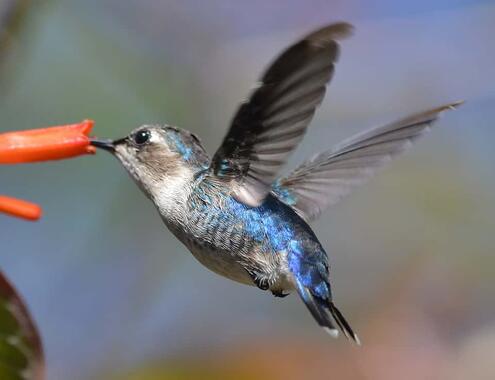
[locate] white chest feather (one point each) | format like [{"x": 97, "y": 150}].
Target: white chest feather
[{"x": 172, "y": 194}]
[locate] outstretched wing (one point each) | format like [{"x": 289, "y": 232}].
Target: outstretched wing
[
  {"x": 327, "y": 177},
  {"x": 268, "y": 127}
]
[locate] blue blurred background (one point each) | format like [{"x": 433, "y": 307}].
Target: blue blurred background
[{"x": 412, "y": 253}]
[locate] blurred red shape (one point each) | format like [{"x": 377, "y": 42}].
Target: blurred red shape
[
  {"x": 20, "y": 208},
  {"x": 46, "y": 144},
  {"x": 43, "y": 144}
]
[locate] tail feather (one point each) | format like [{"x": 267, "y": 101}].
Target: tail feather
[
  {"x": 343, "y": 324},
  {"x": 321, "y": 311},
  {"x": 318, "y": 313}
]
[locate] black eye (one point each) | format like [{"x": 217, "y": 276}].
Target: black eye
[{"x": 142, "y": 137}]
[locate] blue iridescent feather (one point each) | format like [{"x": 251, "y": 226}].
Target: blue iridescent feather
[
  {"x": 277, "y": 229},
  {"x": 284, "y": 193}
]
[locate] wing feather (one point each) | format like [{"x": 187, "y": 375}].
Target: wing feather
[
  {"x": 323, "y": 180},
  {"x": 267, "y": 128}
]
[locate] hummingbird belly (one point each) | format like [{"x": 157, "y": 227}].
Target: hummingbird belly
[
  {"x": 247, "y": 245},
  {"x": 219, "y": 261}
]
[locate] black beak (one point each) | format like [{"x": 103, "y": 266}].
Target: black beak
[{"x": 107, "y": 145}]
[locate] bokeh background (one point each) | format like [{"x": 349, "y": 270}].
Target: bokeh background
[{"x": 117, "y": 297}]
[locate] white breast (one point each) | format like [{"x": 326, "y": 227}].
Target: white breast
[{"x": 172, "y": 194}]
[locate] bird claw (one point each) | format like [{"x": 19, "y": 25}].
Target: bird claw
[
  {"x": 279, "y": 293},
  {"x": 259, "y": 282},
  {"x": 262, "y": 284}
]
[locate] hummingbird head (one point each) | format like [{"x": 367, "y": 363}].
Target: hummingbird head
[{"x": 154, "y": 155}]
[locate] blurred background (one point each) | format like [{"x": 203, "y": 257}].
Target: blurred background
[{"x": 412, "y": 253}]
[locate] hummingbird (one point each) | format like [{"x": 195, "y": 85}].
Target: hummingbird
[{"x": 233, "y": 211}]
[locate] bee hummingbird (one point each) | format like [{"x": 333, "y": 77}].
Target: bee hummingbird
[{"x": 232, "y": 211}]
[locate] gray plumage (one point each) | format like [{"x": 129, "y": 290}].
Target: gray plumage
[{"x": 327, "y": 177}]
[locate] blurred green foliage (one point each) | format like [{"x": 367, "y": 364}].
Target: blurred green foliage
[{"x": 21, "y": 354}]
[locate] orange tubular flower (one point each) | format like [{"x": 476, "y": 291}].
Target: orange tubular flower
[
  {"x": 19, "y": 208},
  {"x": 54, "y": 143},
  {"x": 46, "y": 144}
]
